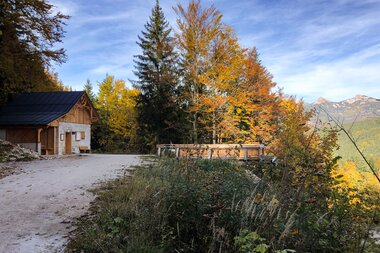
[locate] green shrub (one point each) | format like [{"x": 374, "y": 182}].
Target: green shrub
[
  {"x": 212, "y": 206},
  {"x": 184, "y": 206}
]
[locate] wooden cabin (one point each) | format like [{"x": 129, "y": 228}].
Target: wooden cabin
[{"x": 49, "y": 122}]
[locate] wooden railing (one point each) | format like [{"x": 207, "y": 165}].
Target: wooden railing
[{"x": 213, "y": 151}]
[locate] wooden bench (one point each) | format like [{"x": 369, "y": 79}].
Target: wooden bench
[
  {"x": 84, "y": 149},
  {"x": 47, "y": 151}
]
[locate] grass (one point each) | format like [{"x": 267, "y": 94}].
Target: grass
[
  {"x": 170, "y": 206},
  {"x": 195, "y": 205}
]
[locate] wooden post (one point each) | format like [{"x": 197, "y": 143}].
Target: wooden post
[
  {"x": 177, "y": 152},
  {"x": 245, "y": 154},
  {"x": 159, "y": 152},
  {"x": 262, "y": 149},
  {"x": 38, "y": 144},
  {"x": 54, "y": 140},
  {"x": 210, "y": 153}
]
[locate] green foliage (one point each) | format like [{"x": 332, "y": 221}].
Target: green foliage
[
  {"x": 367, "y": 134},
  {"x": 89, "y": 90},
  {"x": 212, "y": 206},
  {"x": 160, "y": 116},
  {"x": 188, "y": 206},
  {"x": 251, "y": 242}
]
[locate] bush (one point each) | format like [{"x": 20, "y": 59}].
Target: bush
[
  {"x": 213, "y": 206},
  {"x": 184, "y": 206}
]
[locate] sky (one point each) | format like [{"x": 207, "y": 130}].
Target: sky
[{"x": 313, "y": 48}]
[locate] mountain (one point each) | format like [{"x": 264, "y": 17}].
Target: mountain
[
  {"x": 361, "y": 116},
  {"x": 357, "y": 108}
]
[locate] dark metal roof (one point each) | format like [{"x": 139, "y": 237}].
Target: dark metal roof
[{"x": 38, "y": 108}]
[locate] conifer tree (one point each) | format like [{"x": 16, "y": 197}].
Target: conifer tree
[
  {"x": 89, "y": 90},
  {"x": 158, "y": 81}
]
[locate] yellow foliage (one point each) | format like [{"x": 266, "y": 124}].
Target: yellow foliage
[
  {"x": 361, "y": 187},
  {"x": 117, "y": 106}
]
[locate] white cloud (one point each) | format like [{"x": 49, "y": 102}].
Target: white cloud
[
  {"x": 313, "y": 48},
  {"x": 65, "y": 7},
  {"x": 337, "y": 80}
]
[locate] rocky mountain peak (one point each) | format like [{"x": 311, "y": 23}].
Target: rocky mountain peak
[
  {"x": 359, "y": 98},
  {"x": 358, "y": 108},
  {"x": 320, "y": 100}
]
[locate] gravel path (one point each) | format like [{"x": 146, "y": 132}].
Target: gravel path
[{"x": 38, "y": 206}]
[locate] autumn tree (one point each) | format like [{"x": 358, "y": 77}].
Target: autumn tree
[
  {"x": 116, "y": 105},
  {"x": 229, "y": 93},
  {"x": 29, "y": 32},
  {"x": 157, "y": 70},
  {"x": 53, "y": 84},
  {"x": 220, "y": 79},
  {"x": 255, "y": 103},
  {"x": 305, "y": 161},
  {"x": 197, "y": 29}
]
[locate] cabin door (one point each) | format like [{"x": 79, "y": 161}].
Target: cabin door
[{"x": 68, "y": 144}]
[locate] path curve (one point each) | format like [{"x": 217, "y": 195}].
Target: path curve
[{"x": 37, "y": 207}]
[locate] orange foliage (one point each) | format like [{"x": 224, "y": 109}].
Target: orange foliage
[
  {"x": 256, "y": 106},
  {"x": 228, "y": 92}
]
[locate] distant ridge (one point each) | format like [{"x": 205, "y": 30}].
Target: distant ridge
[
  {"x": 321, "y": 100},
  {"x": 358, "y": 108}
]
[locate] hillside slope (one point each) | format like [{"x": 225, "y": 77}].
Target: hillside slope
[
  {"x": 367, "y": 136},
  {"x": 360, "y": 114}
]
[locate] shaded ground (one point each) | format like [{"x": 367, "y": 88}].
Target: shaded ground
[
  {"x": 38, "y": 206},
  {"x": 7, "y": 169}
]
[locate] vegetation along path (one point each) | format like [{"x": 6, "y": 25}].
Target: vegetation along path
[{"x": 37, "y": 207}]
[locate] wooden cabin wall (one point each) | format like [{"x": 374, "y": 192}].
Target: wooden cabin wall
[
  {"x": 81, "y": 113},
  {"x": 78, "y": 114},
  {"x": 21, "y": 135}
]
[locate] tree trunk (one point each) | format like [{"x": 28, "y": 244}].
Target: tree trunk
[
  {"x": 214, "y": 140},
  {"x": 195, "y": 128}
]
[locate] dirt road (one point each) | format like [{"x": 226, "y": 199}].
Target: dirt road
[{"x": 37, "y": 207}]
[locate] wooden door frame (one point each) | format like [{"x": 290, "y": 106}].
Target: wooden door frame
[{"x": 68, "y": 140}]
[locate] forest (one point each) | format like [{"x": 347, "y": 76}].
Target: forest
[{"x": 198, "y": 84}]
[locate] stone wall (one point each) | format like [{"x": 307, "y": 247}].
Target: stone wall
[{"x": 74, "y": 128}]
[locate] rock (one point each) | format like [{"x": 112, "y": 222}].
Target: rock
[{"x": 14, "y": 152}]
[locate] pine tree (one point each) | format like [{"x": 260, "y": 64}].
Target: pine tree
[
  {"x": 158, "y": 81},
  {"x": 89, "y": 90}
]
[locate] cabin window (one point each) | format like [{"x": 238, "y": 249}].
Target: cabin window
[
  {"x": 61, "y": 137},
  {"x": 77, "y": 136},
  {"x": 83, "y": 135}
]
